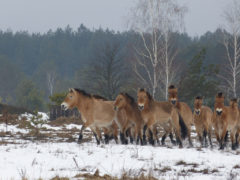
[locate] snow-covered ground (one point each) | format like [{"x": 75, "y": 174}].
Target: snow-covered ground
[{"x": 47, "y": 159}]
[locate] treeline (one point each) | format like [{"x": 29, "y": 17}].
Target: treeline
[{"x": 36, "y": 66}]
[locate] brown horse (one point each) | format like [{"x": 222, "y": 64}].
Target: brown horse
[
  {"x": 96, "y": 112},
  {"x": 184, "y": 110},
  {"x": 162, "y": 113},
  {"x": 225, "y": 118},
  {"x": 203, "y": 121},
  {"x": 135, "y": 122}
]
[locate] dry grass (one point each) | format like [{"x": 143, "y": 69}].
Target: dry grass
[
  {"x": 124, "y": 176},
  {"x": 59, "y": 178},
  {"x": 64, "y": 120}
]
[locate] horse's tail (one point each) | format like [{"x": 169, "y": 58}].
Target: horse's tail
[{"x": 184, "y": 129}]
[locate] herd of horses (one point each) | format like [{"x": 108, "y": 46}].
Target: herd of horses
[{"x": 140, "y": 121}]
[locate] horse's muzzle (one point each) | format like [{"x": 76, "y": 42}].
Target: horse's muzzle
[
  {"x": 140, "y": 107},
  {"x": 64, "y": 106},
  {"x": 219, "y": 113},
  {"x": 173, "y": 102},
  {"x": 197, "y": 112}
]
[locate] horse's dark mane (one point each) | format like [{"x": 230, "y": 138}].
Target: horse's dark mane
[
  {"x": 199, "y": 97},
  {"x": 84, "y": 93},
  {"x": 220, "y": 94},
  {"x": 131, "y": 99},
  {"x": 99, "y": 97},
  {"x": 234, "y": 100},
  {"x": 148, "y": 94},
  {"x": 171, "y": 87}
]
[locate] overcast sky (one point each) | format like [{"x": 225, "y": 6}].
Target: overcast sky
[{"x": 42, "y": 15}]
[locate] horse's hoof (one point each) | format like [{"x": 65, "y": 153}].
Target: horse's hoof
[
  {"x": 221, "y": 148},
  {"x": 174, "y": 142},
  {"x": 234, "y": 147}
]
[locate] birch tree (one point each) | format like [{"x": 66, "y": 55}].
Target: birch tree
[
  {"x": 51, "y": 78},
  {"x": 231, "y": 42},
  {"x": 154, "y": 21}
]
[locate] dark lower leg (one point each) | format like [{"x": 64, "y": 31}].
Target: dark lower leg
[
  {"x": 210, "y": 138},
  {"x": 237, "y": 140},
  {"x": 171, "y": 138},
  {"x": 106, "y": 138},
  {"x": 151, "y": 140},
  {"x": 205, "y": 138},
  {"x": 98, "y": 141},
  {"x": 163, "y": 139},
  {"x": 81, "y": 133}
]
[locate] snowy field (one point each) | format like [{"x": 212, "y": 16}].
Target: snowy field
[{"x": 57, "y": 154}]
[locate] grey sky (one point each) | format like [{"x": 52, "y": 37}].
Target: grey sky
[{"x": 42, "y": 15}]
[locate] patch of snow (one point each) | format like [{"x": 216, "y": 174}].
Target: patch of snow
[{"x": 47, "y": 160}]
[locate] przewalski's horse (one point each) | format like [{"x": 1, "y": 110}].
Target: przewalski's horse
[
  {"x": 135, "y": 122},
  {"x": 238, "y": 131},
  {"x": 202, "y": 117},
  {"x": 96, "y": 112},
  {"x": 225, "y": 118},
  {"x": 184, "y": 110},
  {"x": 162, "y": 113}
]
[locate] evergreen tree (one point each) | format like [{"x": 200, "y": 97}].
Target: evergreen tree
[
  {"x": 29, "y": 96},
  {"x": 199, "y": 79}
]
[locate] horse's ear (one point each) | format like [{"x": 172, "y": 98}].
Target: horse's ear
[{"x": 71, "y": 90}]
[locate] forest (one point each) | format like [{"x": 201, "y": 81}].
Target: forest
[{"x": 100, "y": 61}]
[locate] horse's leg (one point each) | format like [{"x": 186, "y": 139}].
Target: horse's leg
[
  {"x": 200, "y": 138},
  {"x": 106, "y": 135},
  {"x": 156, "y": 134},
  {"x": 151, "y": 135},
  {"x": 97, "y": 134},
  {"x": 144, "y": 134},
  {"x": 81, "y": 133},
  {"x": 123, "y": 136},
  {"x": 139, "y": 134},
  {"x": 210, "y": 137},
  {"x": 115, "y": 133},
  {"x": 237, "y": 139},
  {"x": 223, "y": 137},
  {"x": 176, "y": 125},
  {"x": 205, "y": 138},
  {"x": 233, "y": 136},
  {"x": 163, "y": 138},
  {"x": 189, "y": 136},
  {"x": 171, "y": 138},
  {"x": 226, "y": 139},
  {"x": 131, "y": 135}
]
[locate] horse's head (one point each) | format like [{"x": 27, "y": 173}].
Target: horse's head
[
  {"x": 172, "y": 94},
  {"x": 198, "y": 104},
  {"x": 219, "y": 103},
  {"x": 70, "y": 100},
  {"x": 120, "y": 102},
  {"x": 143, "y": 98},
  {"x": 233, "y": 103}
]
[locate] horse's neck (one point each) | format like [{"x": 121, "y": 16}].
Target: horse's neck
[
  {"x": 149, "y": 106},
  {"x": 84, "y": 104},
  {"x": 129, "y": 110}
]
